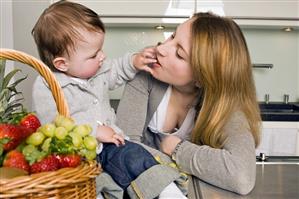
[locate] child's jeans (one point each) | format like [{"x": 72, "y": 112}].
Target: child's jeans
[{"x": 125, "y": 163}]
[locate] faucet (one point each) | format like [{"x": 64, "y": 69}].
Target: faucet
[
  {"x": 267, "y": 98},
  {"x": 286, "y": 98}
]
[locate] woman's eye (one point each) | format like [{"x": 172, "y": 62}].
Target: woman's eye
[{"x": 178, "y": 55}]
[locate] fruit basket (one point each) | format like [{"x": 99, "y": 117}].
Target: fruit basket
[{"x": 78, "y": 182}]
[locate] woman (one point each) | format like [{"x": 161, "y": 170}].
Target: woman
[{"x": 200, "y": 108}]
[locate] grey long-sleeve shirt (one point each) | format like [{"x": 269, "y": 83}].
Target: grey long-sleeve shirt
[
  {"x": 231, "y": 168},
  {"x": 88, "y": 100}
]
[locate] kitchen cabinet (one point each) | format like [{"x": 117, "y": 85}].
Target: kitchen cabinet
[
  {"x": 247, "y": 13},
  {"x": 279, "y": 139},
  {"x": 258, "y": 9},
  {"x": 141, "y": 12}
]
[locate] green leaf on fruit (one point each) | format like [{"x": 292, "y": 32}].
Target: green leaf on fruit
[{"x": 64, "y": 146}]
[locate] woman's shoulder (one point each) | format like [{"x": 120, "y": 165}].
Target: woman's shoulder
[
  {"x": 237, "y": 124},
  {"x": 145, "y": 81}
]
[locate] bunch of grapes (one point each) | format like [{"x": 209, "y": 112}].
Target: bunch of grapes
[{"x": 62, "y": 136}]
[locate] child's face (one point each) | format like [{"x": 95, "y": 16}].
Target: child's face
[{"x": 88, "y": 57}]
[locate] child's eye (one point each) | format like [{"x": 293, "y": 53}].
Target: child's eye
[{"x": 93, "y": 57}]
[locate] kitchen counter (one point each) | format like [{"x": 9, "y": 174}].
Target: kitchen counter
[{"x": 273, "y": 180}]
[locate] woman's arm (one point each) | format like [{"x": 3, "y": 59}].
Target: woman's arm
[
  {"x": 132, "y": 109},
  {"x": 232, "y": 167}
]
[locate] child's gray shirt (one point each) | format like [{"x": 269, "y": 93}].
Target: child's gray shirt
[{"x": 88, "y": 100}]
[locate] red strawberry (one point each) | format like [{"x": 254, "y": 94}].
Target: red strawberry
[
  {"x": 14, "y": 133},
  {"x": 49, "y": 163},
  {"x": 30, "y": 121},
  {"x": 16, "y": 159},
  {"x": 70, "y": 160}
]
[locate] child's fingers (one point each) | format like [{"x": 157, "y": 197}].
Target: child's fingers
[
  {"x": 119, "y": 138},
  {"x": 147, "y": 54},
  {"x": 149, "y": 61}
]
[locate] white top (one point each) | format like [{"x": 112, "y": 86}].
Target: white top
[{"x": 157, "y": 122}]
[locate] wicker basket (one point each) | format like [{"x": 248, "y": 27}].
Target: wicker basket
[{"x": 74, "y": 183}]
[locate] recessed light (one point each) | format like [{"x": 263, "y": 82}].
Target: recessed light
[
  {"x": 288, "y": 29},
  {"x": 159, "y": 27}
]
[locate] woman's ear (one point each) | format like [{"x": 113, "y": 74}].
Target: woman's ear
[
  {"x": 60, "y": 63},
  {"x": 197, "y": 84}
]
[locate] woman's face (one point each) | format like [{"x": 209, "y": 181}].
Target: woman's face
[{"x": 173, "y": 55}]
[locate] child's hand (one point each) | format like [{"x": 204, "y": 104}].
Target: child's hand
[
  {"x": 106, "y": 134},
  {"x": 143, "y": 59}
]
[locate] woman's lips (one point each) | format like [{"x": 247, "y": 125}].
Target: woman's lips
[{"x": 156, "y": 64}]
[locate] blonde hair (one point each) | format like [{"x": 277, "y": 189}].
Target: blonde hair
[
  {"x": 56, "y": 30},
  {"x": 222, "y": 67}
]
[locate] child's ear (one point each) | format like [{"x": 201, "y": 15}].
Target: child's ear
[{"x": 60, "y": 63}]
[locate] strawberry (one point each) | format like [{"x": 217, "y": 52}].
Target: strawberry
[
  {"x": 16, "y": 159},
  {"x": 69, "y": 160},
  {"x": 13, "y": 133},
  {"x": 49, "y": 163},
  {"x": 30, "y": 121}
]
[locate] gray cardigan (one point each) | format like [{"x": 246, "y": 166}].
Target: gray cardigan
[{"x": 231, "y": 168}]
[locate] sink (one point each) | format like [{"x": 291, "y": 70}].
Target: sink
[
  {"x": 279, "y": 112},
  {"x": 279, "y": 107}
]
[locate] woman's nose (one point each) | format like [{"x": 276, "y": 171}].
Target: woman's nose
[{"x": 161, "y": 49}]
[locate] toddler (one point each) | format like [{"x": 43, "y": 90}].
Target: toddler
[{"x": 69, "y": 38}]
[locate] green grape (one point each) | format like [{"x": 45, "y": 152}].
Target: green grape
[
  {"x": 68, "y": 123},
  {"x": 58, "y": 120},
  {"x": 90, "y": 142},
  {"x": 90, "y": 154},
  {"x": 46, "y": 144},
  {"x": 82, "y": 130},
  {"x": 76, "y": 139},
  {"x": 35, "y": 139},
  {"x": 89, "y": 128},
  {"x": 48, "y": 129},
  {"x": 60, "y": 132},
  {"x": 31, "y": 153},
  {"x": 28, "y": 149}
]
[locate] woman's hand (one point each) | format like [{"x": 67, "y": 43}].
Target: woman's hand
[{"x": 169, "y": 143}]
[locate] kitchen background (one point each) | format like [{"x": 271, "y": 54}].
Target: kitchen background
[{"x": 267, "y": 41}]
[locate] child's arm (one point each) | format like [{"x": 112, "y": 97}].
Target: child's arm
[
  {"x": 144, "y": 58},
  {"x": 122, "y": 69},
  {"x": 106, "y": 134}
]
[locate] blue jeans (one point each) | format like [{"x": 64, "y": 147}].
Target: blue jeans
[{"x": 125, "y": 163}]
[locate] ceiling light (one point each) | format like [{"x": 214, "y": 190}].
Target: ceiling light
[
  {"x": 288, "y": 29},
  {"x": 159, "y": 27}
]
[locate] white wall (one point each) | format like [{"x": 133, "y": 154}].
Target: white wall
[
  {"x": 25, "y": 14},
  {"x": 280, "y": 49},
  {"x": 6, "y": 28}
]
